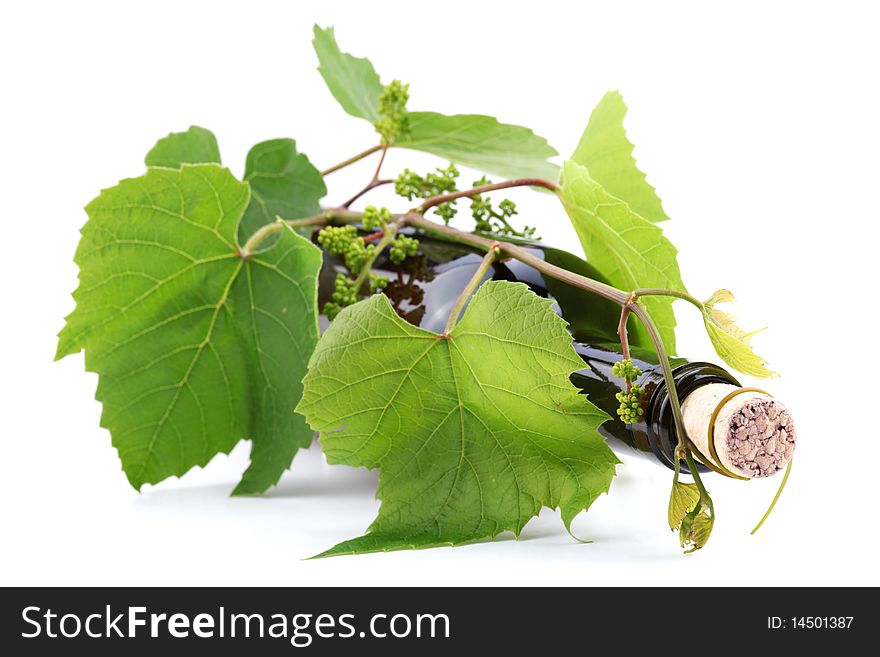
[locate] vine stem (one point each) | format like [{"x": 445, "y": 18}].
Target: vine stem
[
  {"x": 466, "y": 293},
  {"x": 625, "y": 311},
  {"x": 640, "y": 312},
  {"x": 375, "y": 182},
  {"x": 682, "y": 447},
  {"x": 353, "y": 159},
  {"x": 381, "y": 162},
  {"x": 250, "y": 247},
  {"x": 704, "y": 494},
  {"x": 416, "y": 220},
  {"x": 517, "y": 182}
]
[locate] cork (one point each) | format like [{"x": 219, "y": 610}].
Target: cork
[{"x": 754, "y": 435}]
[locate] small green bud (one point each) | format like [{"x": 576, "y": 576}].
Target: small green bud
[
  {"x": 507, "y": 207},
  {"x": 446, "y": 211}
]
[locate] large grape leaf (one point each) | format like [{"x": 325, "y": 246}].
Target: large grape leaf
[
  {"x": 472, "y": 140},
  {"x": 283, "y": 182},
  {"x": 629, "y": 250},
  {"x": 481, "y": 142},
  {"x": 607, "y": 153},
  {"x": 195, "y": 347},
  {"x": 473, "y": 433}
]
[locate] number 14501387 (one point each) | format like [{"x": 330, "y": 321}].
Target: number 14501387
[{"x": 809, "y": 622}]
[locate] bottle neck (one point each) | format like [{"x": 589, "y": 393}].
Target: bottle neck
[
  {"x": 654, "y": 434},
  {"x": 659, "y": 420}
]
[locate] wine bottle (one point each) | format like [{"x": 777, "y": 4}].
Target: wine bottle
[{"x": 424, "y": 289}]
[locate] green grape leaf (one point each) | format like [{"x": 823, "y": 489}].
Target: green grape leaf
[
  {"x": 195, "y": 347},
  {"x": 195, "y": 146},
  {"x": 481, "y": 142},
  {"x": 473, "y": 432},
  {"x": 629, "y": 250},
  {"x": 607, "y": 153},
  {"x": 283, "y": 183},
  {"x": 688, "y": 516},
  {"x": 732, "y": 343},
  {"x": 682, "y": 501},
  {"x": 353, "y": 81}
]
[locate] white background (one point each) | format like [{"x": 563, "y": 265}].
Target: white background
[{"x": 758, "y": 124}]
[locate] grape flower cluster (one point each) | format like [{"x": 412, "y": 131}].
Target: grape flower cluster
[
  {"x": 488, "y": 219},
  {"x": 630, "y": 409},
  {"x": 411, "y": 185},
  {"x": 403, "y": 247},
  {"x": 394, "y": 121},
  {"x": 374, "y": 217},
  {"x": 344, "y": 241}
]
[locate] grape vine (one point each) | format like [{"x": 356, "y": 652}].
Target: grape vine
[{"x": 189, "y": 232}]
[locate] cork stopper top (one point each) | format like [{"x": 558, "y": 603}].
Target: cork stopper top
[
  {"x": 760, "y": 437},
  {"x": 751, "y": 435}
]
